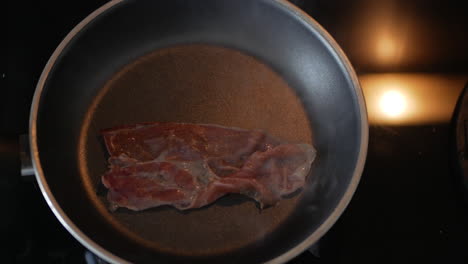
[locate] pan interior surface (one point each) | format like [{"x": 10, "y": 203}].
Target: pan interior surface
[
  {"x": 254, "y": 64},
  {"x": 194, "y": 84}
]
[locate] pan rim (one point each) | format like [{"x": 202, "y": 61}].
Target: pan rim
[
  {"x": 364, "y": 127},
  {"x": 103, "y": 253},
  {"x": 39, "y": 173}
]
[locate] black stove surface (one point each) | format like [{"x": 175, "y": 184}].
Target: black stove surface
[{"x": 412, "y": 60}]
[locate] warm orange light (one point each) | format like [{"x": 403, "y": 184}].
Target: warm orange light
[
  {"x": 411, "y": 98},
  {"x": 393, "y": 103},
  {"x": 386, "y": 48}
]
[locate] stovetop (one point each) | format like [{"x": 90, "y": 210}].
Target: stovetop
[{"x": 412, "y": 61}]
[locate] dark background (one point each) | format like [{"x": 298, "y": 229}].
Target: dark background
[{"x": 409, "y": 205}]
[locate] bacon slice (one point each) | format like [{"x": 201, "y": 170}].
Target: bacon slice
[{"x": 191, "y": 165}]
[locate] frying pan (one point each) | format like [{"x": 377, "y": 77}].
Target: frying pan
[{"x": 254, "y": 64}]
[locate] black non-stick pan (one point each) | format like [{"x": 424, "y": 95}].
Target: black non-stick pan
[{"x": 254, "y": 64}]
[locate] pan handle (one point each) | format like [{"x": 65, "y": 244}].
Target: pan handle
[
  {"x": 15, "y": 158},
  {"x": 90, "y": 258},
  {"x": 27, "y": 169}
]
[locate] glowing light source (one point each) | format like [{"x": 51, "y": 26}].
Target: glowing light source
[
  {"x": 393, "y": 103},
  {"x": 386, "y": 48},
  {"x": 411, "y": 98}
]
